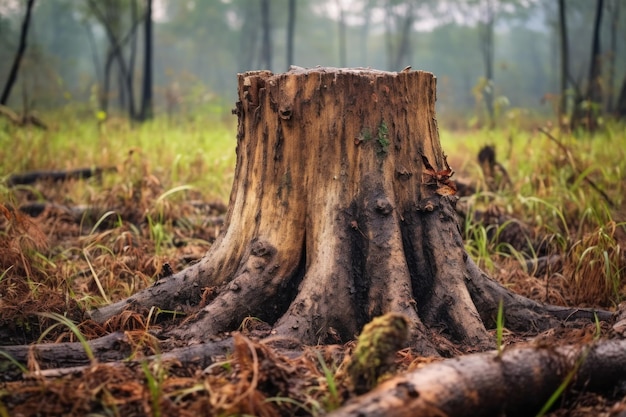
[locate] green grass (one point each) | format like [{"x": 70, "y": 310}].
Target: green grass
[
  {"x": 569, "y": 188},
  {"x": 200, "y": 154}
]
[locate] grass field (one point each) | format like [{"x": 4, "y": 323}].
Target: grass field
[{"x": 101, "y": 239}]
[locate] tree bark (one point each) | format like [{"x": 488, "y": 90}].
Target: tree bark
[
  {"x": 341, "y": 210},
  {"x": 6, "y": 92}
]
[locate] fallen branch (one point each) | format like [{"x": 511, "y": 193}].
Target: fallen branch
[
  {"x": 34, "y": 176},
  {"x": 518, "y": 381},
  {"x": 57, "y": 359},
  {"x": 22, "y": 121}
]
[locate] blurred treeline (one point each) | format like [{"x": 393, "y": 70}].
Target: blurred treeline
[{"x": 491, "y": 57}]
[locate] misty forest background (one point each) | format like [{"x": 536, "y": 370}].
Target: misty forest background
[{"x": 498, "y": 62}]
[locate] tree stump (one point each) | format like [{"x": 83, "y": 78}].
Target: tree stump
[{"x": 342, "y": 209}]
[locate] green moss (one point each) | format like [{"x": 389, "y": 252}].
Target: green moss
[
  {"x": 383, "y": 137},
  {"x": 373, "y": 357}
]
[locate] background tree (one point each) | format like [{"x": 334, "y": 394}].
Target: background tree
[
  {"x": 6, "y": 92},
  {"x": 487, "y": 48},
  {"x": 613, "y": 11},
  {"x": 202, "y": 43},
  {"x": 110, "y": 14},
  {"x": 587, "y": 107},
  {"x": 399, "y": 19},
  {"x": 266, "y": 35},
  {"x": 146, "y": 92},
  {"x": 341, "y": 38},
  {"x": 291, "y": 29},
  {"x": 621, "y": 101},
  {"x": 564, "y": 49}
]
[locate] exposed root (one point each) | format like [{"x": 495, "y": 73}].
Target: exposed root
[
  {"x": 521, "y": 313},
  {"x": 57, "y": 359}
]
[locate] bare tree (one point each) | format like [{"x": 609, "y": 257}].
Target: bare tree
[
  {"x": 111, "y": 20},
  {"x": 6, "y": 92}
]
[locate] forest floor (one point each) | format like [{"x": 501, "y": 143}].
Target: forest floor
[{"x": 62, "y": 256}]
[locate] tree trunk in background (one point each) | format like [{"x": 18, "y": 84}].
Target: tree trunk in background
[
  {"x": 248, "y": 45},
  {"x": 106, "y": 84},
  {"x": 291, "y": 30},
  {"x": 6, "y": 92},
  {"x": 132, "y": 56},
  {"x": 96, "y": 63},
  {"x": 594, "y": 84},
  {"x": 365, "y": 31},
  {"x": 122, "y": 90},
  {"x": 398, "y": 51},
  {"x": 586, "y": 114},
  {"x": 341, "y": 210},
  {"x": 388, "y": 23},
  {"x": 610, "y": 93},
  {"x": 341, "y": 39},
  {"x": 266, "y": 27},
  {"x": 621, "y": 101},
  {"x": 108, "y": 19},
  {"x": 564, "y": 61},
  {"x": 403, "y": 54},
  {"x": 146, "y": 89},
  {"x": 487, "y": 49}
]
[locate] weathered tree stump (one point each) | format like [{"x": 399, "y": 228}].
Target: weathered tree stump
[{"x": 342, "y": 209}]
